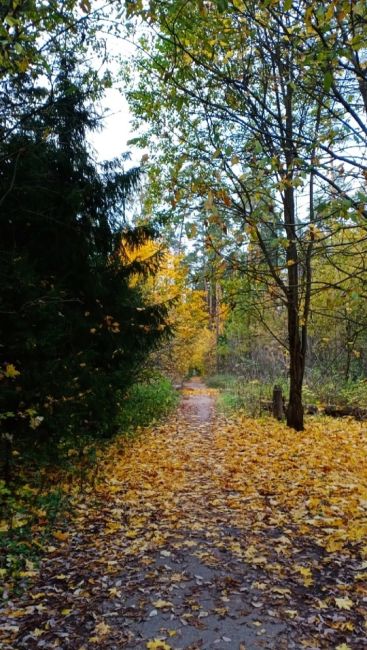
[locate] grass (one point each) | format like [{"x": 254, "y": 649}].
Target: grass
[
  {"x": 147, "y": 402},
  {"x": 249, "y": 395}
]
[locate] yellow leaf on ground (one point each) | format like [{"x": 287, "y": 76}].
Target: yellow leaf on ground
[
  {"x": 157, "y": 644},
  {"x": 11, "y": 371},
  {"x": 61, "y": 536},
  {"x": 161, "y": 604},
  {"x": 344, "y": 603}
]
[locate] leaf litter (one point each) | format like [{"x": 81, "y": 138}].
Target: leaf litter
[{"x": 210, "y": 532}]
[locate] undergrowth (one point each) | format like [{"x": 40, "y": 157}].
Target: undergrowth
[
  {"x": 145, "y": 403},
  {"x": 251, "y": 395},
  {"x": 38, "y": 501}
]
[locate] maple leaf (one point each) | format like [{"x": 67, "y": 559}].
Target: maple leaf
[
  {"x": 344, "y": 603},
  {"x": 61, "y": 535},
  {"x": 161, "y": 604},
  {"x": 10, "y": 371},
  {"x": 157, "y": 644}
]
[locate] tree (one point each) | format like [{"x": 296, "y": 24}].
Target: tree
[
  {"x": 73, "y": 329},
  {"x": 30, "y": 29},
  {"x": 192, "y": 341},
  {"x": 248, "y": 118}
]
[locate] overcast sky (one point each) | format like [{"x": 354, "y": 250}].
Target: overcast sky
[{"x": 112, "y": 140}]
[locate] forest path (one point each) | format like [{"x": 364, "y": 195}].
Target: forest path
[{"x": 186, "y": 549}]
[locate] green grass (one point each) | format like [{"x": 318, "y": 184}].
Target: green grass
[
  {"x": 241, "y": 394},
  {"x": 146, "y": 403}
]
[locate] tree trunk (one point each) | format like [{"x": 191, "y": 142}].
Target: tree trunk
[
  {"x": 277, "y": 404},
  {"x": 295, "y": 406},
  {"x": 296, "y": 371}
]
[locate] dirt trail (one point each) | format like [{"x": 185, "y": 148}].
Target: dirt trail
[
  {"x": 198, "y": 403},
  {"x": 171, "y": 558}
]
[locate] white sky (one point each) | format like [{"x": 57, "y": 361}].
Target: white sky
[{"x": 112, "y": 140}]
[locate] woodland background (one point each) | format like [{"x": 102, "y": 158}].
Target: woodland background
[{"x": 236, "y": 250}]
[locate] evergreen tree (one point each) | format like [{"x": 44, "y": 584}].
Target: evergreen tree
[{"x": 73, "y": 325}]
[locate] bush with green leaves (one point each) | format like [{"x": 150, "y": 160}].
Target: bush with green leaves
[{"x": 146, "y": 402}]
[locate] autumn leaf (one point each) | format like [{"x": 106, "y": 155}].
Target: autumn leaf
[
  {"x": 344, "y": 603},
  {"x": 161, "y": 604},
  {"x": 61, "y": 536},
  {"x": 156, "y": 644},
  {"x": 11, "y": 371}
]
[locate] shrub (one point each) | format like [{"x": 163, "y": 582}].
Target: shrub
[{"x": 146, "y": 402}]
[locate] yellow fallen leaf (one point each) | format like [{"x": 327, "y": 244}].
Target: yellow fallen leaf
[
  {"x": 321, "y": 604},
  {"x": 114, "y": 592},
  {"x": 11, "y": 371},
  {"x": 260, "y": 585},
  {"x": 102, "y": 629},
  {"x": 27, "y": 574},
  {"x": 61, "y": 536},
  {"x": 291, "y": 613},
  {"x": 112, "y": 527},
  {"x": 344, "y": 603},
  {"x": 345, "y": 626},
  {"x": 161, "y": 604},
  {"x": 334, "y": 545},
  {"x": 157, "y": 644},
  {"x": 281, "y": 590},
  {"x": 306, "y": 573},
  {"x": 17, "y": 613}
]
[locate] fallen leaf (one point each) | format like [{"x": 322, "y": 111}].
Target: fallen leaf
[
  {"x": 344, "y": 603},
  {"x": 157, "y": 644},
  {"x": 61, "y": 536},
  {"x": 161, "y": 604}
]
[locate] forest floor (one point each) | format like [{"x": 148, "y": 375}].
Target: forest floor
[{"x": 210, "y": 532}]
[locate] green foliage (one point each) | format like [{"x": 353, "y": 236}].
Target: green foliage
[
  {"x": 28, "y": 518},
  {"x": 222, "y": 382},
  {"x": 74, "y": 328},
  {"x": 145, "y": 402},
  {"x": 22, "y": 24},
  {"x": 241, "y": 394}
]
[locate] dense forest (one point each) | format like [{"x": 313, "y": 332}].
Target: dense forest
[{"x": 235, "y": 251}]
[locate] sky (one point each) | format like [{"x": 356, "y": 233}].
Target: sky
[{"x": 112, "y": 140}]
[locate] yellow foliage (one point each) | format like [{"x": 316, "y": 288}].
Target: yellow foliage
[{"x": 189, "y": 319}]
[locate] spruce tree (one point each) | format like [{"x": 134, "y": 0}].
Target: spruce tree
[{"x": 73, "y": 325}]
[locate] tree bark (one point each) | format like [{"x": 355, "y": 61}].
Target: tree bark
[
  {"x": 296, "y": 355},
  {"x": 297, "y": 344},
  {"x": 277, "y": 404},
  {"x": 295, "y": 409}
]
